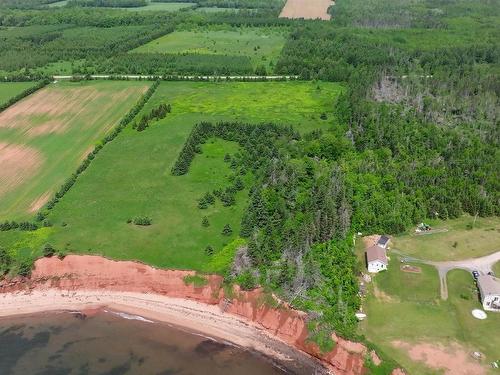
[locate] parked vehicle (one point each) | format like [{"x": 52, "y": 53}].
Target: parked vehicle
[{"x": 475, "y": 274}]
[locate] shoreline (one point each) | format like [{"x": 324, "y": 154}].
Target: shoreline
[{"x": 191, "y": 316}]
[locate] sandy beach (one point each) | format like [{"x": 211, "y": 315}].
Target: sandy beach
[{"x": 206, "y": 319}]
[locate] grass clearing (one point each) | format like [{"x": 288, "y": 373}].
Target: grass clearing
[
  {"x": 131, "y": 176},
  {"x": 45, "y": 137},
  {"x": 262, "y": 45},
  {"x": 464, "y": 239},
  {"x": 406, "y": 307},
  {"x": 167, "y": 7},
  {"x": 9, "y": 90},
  {"x": 496, "y": 269}
]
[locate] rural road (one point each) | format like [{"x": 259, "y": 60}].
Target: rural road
[
  {"x": 208, "y": 78},
  {"x": 483, "y": 265}
]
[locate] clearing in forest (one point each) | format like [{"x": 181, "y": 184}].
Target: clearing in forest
[
  {"x": 45, "y": 136},
  {"x": 261, "y": 45},
  {"x": 132, "y": 176},
  {"x": 307, "y": 9}
]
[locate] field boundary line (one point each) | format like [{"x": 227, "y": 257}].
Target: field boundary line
[
  {"x": 126, "y": 120},
  {"x": 30, "y": 90}
]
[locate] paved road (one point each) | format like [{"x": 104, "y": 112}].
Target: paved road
[
  {"x": 210, "y": 78},
  {"x": 483, "y": 265}
]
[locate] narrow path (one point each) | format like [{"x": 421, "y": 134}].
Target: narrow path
[{"x": 483, "y": 265}]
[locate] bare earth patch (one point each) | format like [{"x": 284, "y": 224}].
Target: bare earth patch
[
  {"x": 453, "y": 358},
  {"x": 18, "y": 163},
  {"x": 307, "y": 9}
]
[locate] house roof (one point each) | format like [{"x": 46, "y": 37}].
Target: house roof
[
  {"x": 374, "y": 253},
  {"x": 488, "y": 285},
  {"x": 383, "y": 240}
]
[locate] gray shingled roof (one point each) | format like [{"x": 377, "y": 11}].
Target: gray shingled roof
[{"x": 376, "y": 253}]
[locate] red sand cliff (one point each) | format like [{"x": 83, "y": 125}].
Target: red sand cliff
[{"x": 94, "y": 272}]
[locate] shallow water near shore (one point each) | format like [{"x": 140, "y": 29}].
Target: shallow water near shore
[{"x": 116, "y": 343}]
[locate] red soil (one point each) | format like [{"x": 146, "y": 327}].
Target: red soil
[{"x": 94, "y": 273}]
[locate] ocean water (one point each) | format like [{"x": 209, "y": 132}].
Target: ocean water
[{"x": 114, "y": 344}]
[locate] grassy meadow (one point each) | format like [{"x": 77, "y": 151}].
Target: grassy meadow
[
  {"x": 10, "y": 89},
  {"x": 167, "y": 7},
  {"x": 262, "y": 45},
  {"x": 45, "y": 136},
  {"x": 406, "y": 307},
  {"x": 131, "y": 176},
  {"x": 463, "y": 239}
]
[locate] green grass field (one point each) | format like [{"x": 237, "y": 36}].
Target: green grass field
[
  {"x": 167, "y": 7},
  {"x": 464, "y": 239},
  {"x": 406, "y": 307},
  {"x": 10, "y": 89},
  {"x": 45, "y": 136},
  {"x": 131, "y": 176},
  {"x": 262, "y": 45},
  {"x": 496, "y": 269},
  {"x": 403, "y": 306},
  {"x": 58, "y": 4},
  {"x": 216, "y": 10}
]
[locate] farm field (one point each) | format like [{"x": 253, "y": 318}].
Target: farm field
[
  {"x": 307, "y": 9},
  {"x": 58, "y": 4},
  {"x": 408, "y": 321},
  {"x": 10, "y": 89},
  {"x": 262, "y": 45},
  {"x": 168, "y": 7},
  {"x": 131, "y": 176},
  {"x": 462, "y": 240},
  {"x": 45, "y": 136},
  {"x": 216, "y": 9}
]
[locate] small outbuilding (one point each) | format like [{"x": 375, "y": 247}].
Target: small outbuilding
[
  {"x": 383, "y": 242},
  {"x": 489, "y": 287},
  {"x": 376, "y": 259}
]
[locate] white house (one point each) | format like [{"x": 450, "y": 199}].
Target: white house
[
  {"x": 489, "y": 287},
  {"x": 376, "y": 259}
]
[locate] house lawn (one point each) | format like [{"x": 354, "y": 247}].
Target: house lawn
[{"x": 463, "y": 239}]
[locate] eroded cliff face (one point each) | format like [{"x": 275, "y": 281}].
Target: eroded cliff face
[{"x": 93, "y": 273}]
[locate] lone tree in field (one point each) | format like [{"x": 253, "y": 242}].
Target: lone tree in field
[
  {"x": 209, "y": 250},
  {"x": 204, "y": 222},
  {"x": 227, "y": 231}
]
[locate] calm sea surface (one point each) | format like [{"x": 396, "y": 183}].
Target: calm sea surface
[{"x": 106, "y": 343}]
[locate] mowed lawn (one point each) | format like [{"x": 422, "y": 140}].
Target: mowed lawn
[
  {"x": 44, "y": 137},
  {"x": 9, "y": 90},
  {"x": 262, "y": 45},
  {"x": 131, "y": 175},
  {"x": 405, "y": 307},
  {"x": 463, "y": 239}
]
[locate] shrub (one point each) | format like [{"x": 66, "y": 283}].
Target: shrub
[
  {"x": 48, "y": 250},
  {"x": 142, "y": 220},
  {"x": 204, "y": 222}
]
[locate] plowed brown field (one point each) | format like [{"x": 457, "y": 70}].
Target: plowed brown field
[{"x": 307, "y": 9}]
